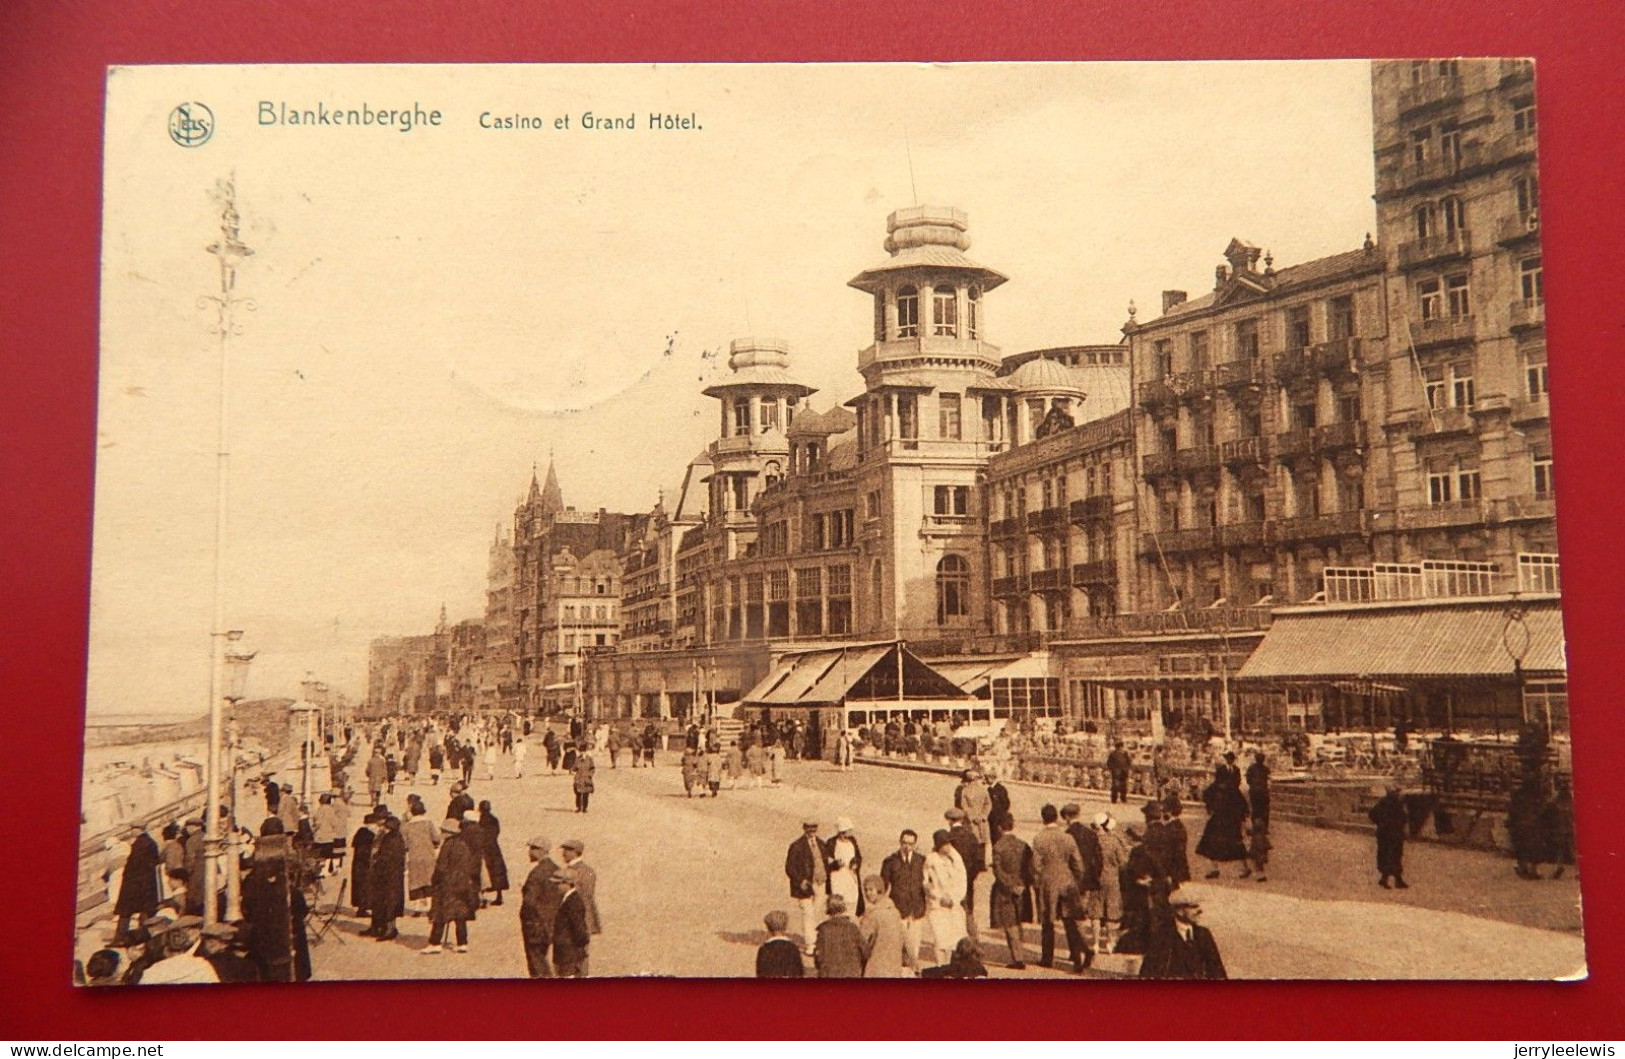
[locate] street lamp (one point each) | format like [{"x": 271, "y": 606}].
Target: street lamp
[
  {"x": 1224, "y": 665},
  {"x": 1515, "y": 639},
  {"x": 236, "y": 664},
  {"x": 231, "y": 254}
]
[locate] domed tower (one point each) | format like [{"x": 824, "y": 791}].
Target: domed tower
[
  {"x": 758, "y": 400},
  {"x": 1048, "y": 397},
  {"x": 931, "y": 411}
]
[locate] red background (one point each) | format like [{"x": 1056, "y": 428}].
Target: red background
[{"x": 52, "y": 59}]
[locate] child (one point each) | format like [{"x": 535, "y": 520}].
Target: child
[{"x": 778, "y": 956}]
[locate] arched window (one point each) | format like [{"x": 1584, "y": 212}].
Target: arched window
[
  {"x": 908, "y": 312},
  {"x": 973, "y": 309},
  {"x": 953, "y": 589},
  {"x": 945, "y": 311}
]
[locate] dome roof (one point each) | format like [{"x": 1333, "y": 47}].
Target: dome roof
[
  {"x": 843, "y": 451},
  {"x": 1041, "y": 375}
]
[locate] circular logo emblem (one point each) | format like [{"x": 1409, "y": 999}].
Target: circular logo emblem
[{"x": 191, "y": 124}]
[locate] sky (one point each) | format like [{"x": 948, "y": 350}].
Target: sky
[{"x": 436, "y": 311}]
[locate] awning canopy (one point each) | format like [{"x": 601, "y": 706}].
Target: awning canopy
[
  {"x": 1416, "y": 640},
  {"x": 1035, "y": 665},
  {"x": 971, "y": 675},
  {"x": 862, "y": 672}
]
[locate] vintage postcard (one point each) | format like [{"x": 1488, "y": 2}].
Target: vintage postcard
[{"x": 1012, "y": 520}]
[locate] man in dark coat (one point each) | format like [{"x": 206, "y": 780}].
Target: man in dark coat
[
  {"x": 461, "y": 801},
  {"x": 539, "y": 901},
  {"x": 1523, "y": 827},
  {"x": 1258, "y": 788},
  {"x": 138, "y": 886},
  {"x": 1088, "y": 841},
  {"x": 778, "y": 956},
  {"x": 1118, "y": 764},
  {"x": 192, "y": 843},
  {"x": 361, "y": 864},
  {"x": 1182, "y": 948},
  {"x": 456, "y": 889},
  {"x": 1010, "y": 903},
  {"x": 386, "y": 884},
  {"x": 806, "y": 865},
  {"x": 1227, "y": 812},
  {"x": 1389, "y": 816},
  {"x": 496, "y": 867},
  {"x": 973, "y": 853},
  {"x": 570, "y": 933},
  {"x": 904, "y": 872},
  {"x": 838, "y": 952},
  {"x": 1000, "y": 797}
]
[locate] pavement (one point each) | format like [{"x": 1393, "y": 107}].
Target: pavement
[{"x": 683, "y": 884}]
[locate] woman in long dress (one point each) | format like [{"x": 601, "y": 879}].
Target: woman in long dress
[
  {"x": 845, "y": 860},
  {"x": 422, "y": 840},
  {"x": 1227, "y": 810}
]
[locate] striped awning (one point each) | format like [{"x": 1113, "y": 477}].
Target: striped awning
[
  {"x": 1419, "y": 640},
  {"x": 830, "y": 676}
]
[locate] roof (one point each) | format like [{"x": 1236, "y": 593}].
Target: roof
[
  {"x": 1443, "y": 640},
  {"x": 834, "y": 421},
  {"x": 1294, "y": 276},
  {"x": 756, "y": 375},
  {"x": 928, "y": 257},
  {"x": 972, "y": 675},
  {"x": 863, "y": 672},
  {"x": 1042, "y": 374},
  {"x": 843, "y": 451}
]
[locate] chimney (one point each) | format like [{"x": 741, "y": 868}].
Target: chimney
[
  {"x": 1171, "y": 298},
  {"x": 1220, "y": 274}
]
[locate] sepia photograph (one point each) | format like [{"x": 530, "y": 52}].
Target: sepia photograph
[{"x": 964, "y": 520}]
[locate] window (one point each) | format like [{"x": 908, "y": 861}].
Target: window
[
  {"x": 1449, "y": 69},
  {"x": 770, "y": 416},
  {"x": 908, "y": 312},
  {"x": 871, "y": 504},
  {"x": 809, "y": 601},
  {"x": 1303, "y": 416},
  {"x": 1544, "y": 485},
  {"x": 1340, "y": 317},
  {"x": 1246, "y": 339},
  {"x": 1163, "y": 355},
  {"x": 569, "y": 612},
  {"x": 1106, "y": 479},
  {"x": 1527, "y": 191},
  {"x": 1454, "y": 216},
  {"x": 602, "y": 614},
  {"x": 1199, "y": 351},
  {"x": 948, "y": 411},
  {"x": 1348, "y": 408},
  {"x": 1461, "y": 392},
  {"x": 953, "y": 589},
  {"x": 1450, "y": 145},
  {"x": 945, "y": 311},
  {"x": 908, "y": 417},
  {"x": 1423, "y": 218},
  {"x": 840, "y": 600},
  {"x": 1438, "y": 487},
  {"x": 570, "y": 642},
  {"x": 1457, "y": 296},
  {"x": 1467, "y": 485},
  {"x": 741, "y": 417},
  {"x": 1535, "y": 377},
  {"x": 1530, "y": 285},
  {"x": 1431, "y": 297},
  {"x": 1419, "y": 71},
  {"x": 1297, "y": 327},
  {"x": 840, "y": 528},
  {"x": 600, "y": 640},
  {"x": 1523, "y": 117},
  {"x": 1419, "y": 144},
  {"x": 1251, "y": 423},
  {"x": 951, "y": 500},
  {"x": 973, "y": 310},
  {"x": 1538, "y": 572}
]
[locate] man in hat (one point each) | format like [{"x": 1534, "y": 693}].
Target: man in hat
[
  {"x": 1182, "y": 948},
  {"x": 1232, "y": 769},
  {"x": 377, "y": 774},
  {"x": 971, "y": 854},
  {"x": 1089, "y": 851},
  {"x": 1057, "y": 866},
  {"x": 971, "y": 797},
  {"x": 778, "y": 957},
  {"x": 1118, "y": 764},
  {"x": 539, "y": 900},
  {"x": 137, "y": 895},
  {"x": 192, "y": 843},
  {"x": 806, "y": 866},
  {"x": 461, "y": 801},
  {"x": 586, "y": 880},
  {"x": 181, "y": 965},
  {"x": 153, "y": 927},
  {"x": 456, "y": 889},
  {"x": 571, "y": 936},
  {"x": 229, "y": 960},
  {"x": 904, "y": 875},
  {"x": 1390, "y": 817},
  {"x": 287, "y": 810}
]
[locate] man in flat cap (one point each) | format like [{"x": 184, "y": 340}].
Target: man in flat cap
[
  {"x": 539, "y": 901},
  {"x": 221, "y": 948},
  {"x": 806, "y": 865},
  {"x": 973, "y": 854},
  {"x": 586, "y": 880},
  {"x": 570, "y": 934},
  {"x": 181, "y": 964}
]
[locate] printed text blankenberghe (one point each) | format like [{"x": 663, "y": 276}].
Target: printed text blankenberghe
[{"x": 364, "y": 116}]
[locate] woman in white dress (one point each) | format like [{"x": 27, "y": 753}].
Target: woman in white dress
[{"x": 845, "y": 860}]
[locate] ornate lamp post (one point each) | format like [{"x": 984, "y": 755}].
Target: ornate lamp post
[
  {"x": 1515, "y": 639},
  {"x": 231, "y": 253},
  {"x": 236, "y": 664}
]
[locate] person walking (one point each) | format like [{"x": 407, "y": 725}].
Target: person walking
[
  {"x": 1057, "y": 867},
  {"x": 422, "y": 840},
  {"x": 693, "y": 766},
  {"x": 539, "y": 900},
  {"x": 571, "y": 935},
  {"x": 1010, "y": 903},
  {"x": 998, "y": 801},
  {"x": 806, "y": 866},
  {"x": 838, "y": 952},
  {"x": 386, "y": 886},
  {"x": 586, "y": 881},
  {"x": 972, "y": 797},
  {"x": 1177, "y": 840},
  {"x": 713, "y": 769},
  {"x": 843, "y": 751},
  {"x": 1389, "y": 816},
  {"x": 778, "y": 956},
  {"x": 1227, "y": 812},
  {"x": 490, "y": 755},
  {"x": 361, "y": 864},
  {"x": 972, "y": 854},
  {"x": 903, "y": 873},
  {"x": 651, "y": 742},
  {"x": 885, "y": 949},
  {"x": 756, "y": 764},
  {"x": 583, "y": 781},
  {"x": 1118, "y": 764},
  {"x": 377, "y": 773},
  {"x": 612, "y": 744},
  {"x": 1258, "y": 789},
  {"x": 496, "y": 867},
  {"x": 1093, "y": 859},
  {"x": 945, "y": 883},
  {"x": 456, "y": 890},
  {"x": 1523, "y": 827},
  {"x": 521, "y": 750},
  {"x": 461, "y": 802},
  {"x": 137, "y": 894},
  {"x": 550, "y": 743}
]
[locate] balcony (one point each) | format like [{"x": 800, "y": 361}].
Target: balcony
[
  {"x": 1049, "y": 580},
  {"x": 1335, "y": 436},
  {"x": 1178, "y": 542},
  {"x": 1445, "y": 246},
  {"x": 1527, "y": 313},
  {"x": 1197, "y": 460},
  {"x": 1518, "y": 228},
  {"x": 1237, "y": 374},
  {"x": 1241, "y": 451},
  {"x": 1533, "y": 508},
  {"x": 1014, "y": 585},
  {"x": 1005, "y": 528},
  {"x": 1444, "y": 421},
  {"x": 1319, "y": 527},
  {"x": 1531, "y": 409},
  {"x": 1444, "y": 331},
  {"x": 1046, "y": 519},
  {"x": 1188, "y": 384},
  {"x": 1441, "y": 516},
  {"x": 1157, "y": 392},
  {"x": 1157, "y": 464},
  {"x": 1103, "y": 572},
  {"x": 1432, "y": 92},
  {"x": 1514, "y": 71},
  {"x": 1242, "y": 535},
  {"x": 1295, "y": 444},
  {"x": 1093, "y": 509}
]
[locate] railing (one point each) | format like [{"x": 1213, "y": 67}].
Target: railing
[
  {"x": 1171, "y": 622},
  {"x": 1049, "y": 580},
  {"x": 1189, "y": 383},
  {"x": 1530, "y": 409},
  {"x": 1156, "y": 392},
  {"x": 1518, "y": 227},
  {"x": 1295, "y": 443},
  {"x": 1092, "y": 508},
  {"x": 1526, "y": 313},
  {"x": 1101, "y": 572},
  {"x": 1251, "y": 372},
  {"x": 1437, "y": 516},
  {"x": 1244, "y": 450},
  {"x": 1005, "y": 527},
  {"x": 1444, "y": 330},
  {"x": 1157, "y": 464},
  {"x": 1178, "y": 541},
  {"x": 1333, "y": 436},
  {"x": 1242, "y": 535},
  {"x": 1471, "y": 156},
  {"x": 1454, "y": 420},
  {"x": 1315, "y": 527},
  {"x": 1048, "y": 518},
  {"x": 1013, "y": 585},
  {"x": 1524, "y": 508},
  {"x": 1431, "y": 92},
  {"x": 1435, "y": 248},
  {"x": 1198, "y": 459}
]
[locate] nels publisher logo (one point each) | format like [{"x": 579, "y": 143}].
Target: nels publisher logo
[{"x": 191, "y": 124}]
